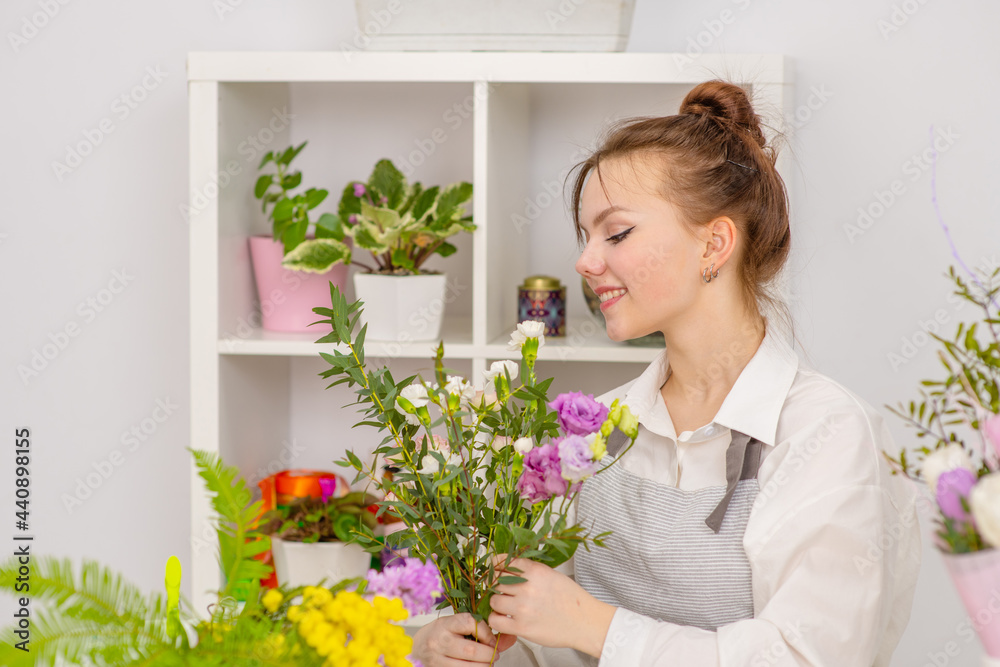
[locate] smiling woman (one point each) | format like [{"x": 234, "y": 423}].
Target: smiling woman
[{"x": 743, "y": 516}]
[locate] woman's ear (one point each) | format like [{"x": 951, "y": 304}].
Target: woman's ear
[{"x": 721, "y": 240}]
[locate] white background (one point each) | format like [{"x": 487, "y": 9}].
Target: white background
[{"x": 867, "y": 99}]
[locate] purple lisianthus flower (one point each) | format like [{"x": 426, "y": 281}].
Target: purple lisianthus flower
[
  {"x": 417, "y": 584},
  {"x": 576, "y": 457},
  {"x": 542, "y": 477},
  {"x": 353, "y": 219},
  {"x": 359, "y": 190},
  {"x": 952, "y": 486},
  {"x": 579, "y": 414}
]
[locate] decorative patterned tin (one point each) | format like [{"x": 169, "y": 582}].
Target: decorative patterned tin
[{"x": 543, "y": 298}]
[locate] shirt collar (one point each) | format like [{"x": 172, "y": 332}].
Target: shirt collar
[{"x": 754, "y": 403}]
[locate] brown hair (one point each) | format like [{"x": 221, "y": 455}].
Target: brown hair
[{"x": 715, "y": 161}]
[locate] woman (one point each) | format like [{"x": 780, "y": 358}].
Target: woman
[{"x": 754, "y": 521}]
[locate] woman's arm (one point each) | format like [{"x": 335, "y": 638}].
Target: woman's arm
[{"x": 834, "y": 548}]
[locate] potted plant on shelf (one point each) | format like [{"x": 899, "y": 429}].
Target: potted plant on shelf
[
  {"x": 312, "y": 538},
  {"x": 96, "y": 617},
  {"x": 287, "y": 294},
  {"x": 402, "y": 225},
  {"x": 962, "y": 467}
]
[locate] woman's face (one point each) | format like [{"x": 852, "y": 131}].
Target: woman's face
[{"x": 638, "y": 249}]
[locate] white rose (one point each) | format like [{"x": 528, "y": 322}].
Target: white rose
[
  {"x": 984, "y": 501},
  {"x": 942, "y": 460},
  {"x": 523, "y": 445},
  {"x": 497, "y": 368}
]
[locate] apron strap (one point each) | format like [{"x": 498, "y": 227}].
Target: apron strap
[
  {"x": 742, "y": 462},
  {"x": 616, "y": 440}
]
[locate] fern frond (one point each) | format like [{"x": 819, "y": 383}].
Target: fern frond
[
  {"x": 237, "y": 516},
  {"x": 58, "y": 639}
]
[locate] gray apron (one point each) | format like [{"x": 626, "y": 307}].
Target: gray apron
[{"x": 673, "y": 555}]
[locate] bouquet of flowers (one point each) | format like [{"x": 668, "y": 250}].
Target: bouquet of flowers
[
  {"x": 963, "y": 477},
  {"x": 477, "y": 472}
]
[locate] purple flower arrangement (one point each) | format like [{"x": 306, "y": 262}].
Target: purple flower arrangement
[{"x": 962, "y": 468}]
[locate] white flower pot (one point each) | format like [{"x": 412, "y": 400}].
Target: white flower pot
[
  {"x": 301, "y": 564},
  {"x": 494, "y": 25},
  {"x": 401, "y": 308}
]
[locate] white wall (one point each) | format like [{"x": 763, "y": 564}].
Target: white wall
[{"x": 867, "y": 99}]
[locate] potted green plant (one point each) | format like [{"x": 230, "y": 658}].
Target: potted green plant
[
  {"x": 313, "y": 538},
  {"x": 402, "y": 225},
  {"x": 94, "y": 616},
  {"x": 288, "y": 294}
]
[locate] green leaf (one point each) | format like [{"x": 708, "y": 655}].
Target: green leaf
[
  {"x": 349, "y": 204},
  {"x": 509, "y": 579},
  {"x": 451, "y": 197},
  {"x": 267, "y": 158},
  {"x": 315, "y": 197},
  {"x": 263, "y": 183},
  {"x": 401, "y": 259},
  {"x": 317, "y": 255},
  {"x": 331, "y": 223},
  {"x": 289, "y": 154},
  {"x": 445, "y": 249},
  {"x": 388, "y": 181},
  {"x": 283, "y": 210},
  {"x": 424, "y": 203},
  {"x": 294, "y": 234},
  {"x": 291, "y": 181},
  {"x": 522, "y": 536}
]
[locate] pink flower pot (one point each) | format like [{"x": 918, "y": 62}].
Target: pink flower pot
[
  {"x": 976, "y": 575},
  {"x": 288, "y": 297}
]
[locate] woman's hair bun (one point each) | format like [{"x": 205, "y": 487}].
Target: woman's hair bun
[{"x": 727, "y": 103}]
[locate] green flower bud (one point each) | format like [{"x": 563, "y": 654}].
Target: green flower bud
[{"x": 628, "y": 423}]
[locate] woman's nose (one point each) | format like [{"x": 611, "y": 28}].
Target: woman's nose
[{"x": 590, "y": 262}]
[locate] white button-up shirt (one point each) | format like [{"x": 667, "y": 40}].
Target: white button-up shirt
[{"x": 833, "y": 539}]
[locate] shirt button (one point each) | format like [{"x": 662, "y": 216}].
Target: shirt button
[{"x": 710, "y": 430}]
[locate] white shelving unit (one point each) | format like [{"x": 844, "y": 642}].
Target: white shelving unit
[{"x": 513, "y": 124}]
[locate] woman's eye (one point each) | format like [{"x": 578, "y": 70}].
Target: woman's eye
[{"x": 618, "y": 238}]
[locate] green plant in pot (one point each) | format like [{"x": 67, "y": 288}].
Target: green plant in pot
[
  {"x": 401, "y": 225},
  {"x": 314, "y": 538},
  {"x": 92, "y": 615},
  {"x": 288, "y": 293}
]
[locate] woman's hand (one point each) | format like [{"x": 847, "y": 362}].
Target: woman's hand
[
  {"x": 442, "y": 642},
  {"x": 550, "y": 609}
]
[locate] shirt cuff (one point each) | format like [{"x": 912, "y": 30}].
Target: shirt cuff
[{"x": 626, "y": 639}]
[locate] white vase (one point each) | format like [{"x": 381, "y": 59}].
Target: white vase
[
  {"x": 401, "y": 308},
  {"x": 494, "y": 25},
  {"x": 301, "y": 564}
]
